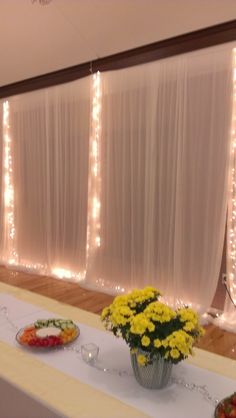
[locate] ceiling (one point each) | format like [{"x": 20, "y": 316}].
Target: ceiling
[{"x": 36, "y": 39}]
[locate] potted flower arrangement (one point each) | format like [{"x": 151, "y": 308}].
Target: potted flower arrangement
[{"x": 158, "y": 336}]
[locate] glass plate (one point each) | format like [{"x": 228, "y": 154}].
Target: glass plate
[{"x": 67, "y": 335}]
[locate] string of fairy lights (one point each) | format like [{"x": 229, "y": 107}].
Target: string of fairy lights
[
  {"x": 231, "y": 221},
  {"x": 9, "y": 218},
  {"x": 94, "y": 198}
]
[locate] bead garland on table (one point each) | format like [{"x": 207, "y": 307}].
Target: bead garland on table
[
  {"x": 4, "y": 312},
  {"x": 89, "y": 354}
]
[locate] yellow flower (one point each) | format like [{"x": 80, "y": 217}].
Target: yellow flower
[
  {"x": 139, "y": 324},
  {"x": 181, "y": 341},
  {"x": 120, "y": 300},
  {"x": 189, "y": 326},
  {"x": 159, "y": 312},
  {"x": 187, "y": 314},
  {"x": 142, "y": 360},
  {"x": 153, "y": 290},
  {"x": 151, "y": 327},
  {"x": 165, "y": 343},
  {"x": 185, "y": 350},
  {"x": 145, "y": 341},
  {"x": 157, "y": 343},
  {"x": 142, "y": 295},
  {"x": 174, "y": 353},
  {"x": 125, "y": 310}
]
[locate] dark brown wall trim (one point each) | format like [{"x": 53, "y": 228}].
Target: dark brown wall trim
[{"x": 203, "y": 38}]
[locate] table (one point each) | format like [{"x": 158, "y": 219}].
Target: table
[{"x": 50, "y": 393}]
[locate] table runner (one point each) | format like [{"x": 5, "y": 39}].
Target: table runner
[{"x": 172, "y": 400}]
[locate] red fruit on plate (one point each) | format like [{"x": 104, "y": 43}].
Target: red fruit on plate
[
  {"x": 231, "y": 412},
  {"x": 58, "y": 342},
  {"x": 233, "y": 399},
  {"x": 51, "y": 341},
  {"x": 220, "y": 411},
  {"x": 45, "y": 342}
]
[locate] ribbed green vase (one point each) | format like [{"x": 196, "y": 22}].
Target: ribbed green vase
[{"x": 151, "y": 376}]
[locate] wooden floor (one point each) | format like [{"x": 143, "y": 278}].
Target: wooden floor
[{"x": 215, "y": 340}]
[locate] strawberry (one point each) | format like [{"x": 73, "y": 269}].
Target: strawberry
[
  {"x": 58, "y": 341},
  {"x": 32, "y": 341},
  {"x": 51, "y": 341},
  {"x": 45, "y": 342},
  {"x": 233, "y": 399},
  {"x": 220, "y": 411},
  {"x": 230, "y": 412}
]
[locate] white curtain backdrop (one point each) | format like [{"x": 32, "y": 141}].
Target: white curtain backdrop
[
  {"x": 50, "y": 142},
  {"x": 164, "y": 160},
  {"x": 159, "y": 145}
]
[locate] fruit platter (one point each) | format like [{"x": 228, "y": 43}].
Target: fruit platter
[
  {"x": 48, "y": 333},
  {"x": 227, "y": 407}
]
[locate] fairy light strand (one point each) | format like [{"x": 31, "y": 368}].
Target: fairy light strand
[
  {"x": 9, "y": 219},
  {"x": 94, "y": 202},
  {"x": 231, "y": 221}
]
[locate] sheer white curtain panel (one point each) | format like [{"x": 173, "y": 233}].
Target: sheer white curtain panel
[
  {"x": 228, "y": 319},
  {"x": 164, "y": 161},
  {"x": 50, "y": 145}
]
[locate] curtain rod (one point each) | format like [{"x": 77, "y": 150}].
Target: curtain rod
[{"x": 203, "y": 38}]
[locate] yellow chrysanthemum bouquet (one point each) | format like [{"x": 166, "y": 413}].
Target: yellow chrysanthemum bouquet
[{"x": 151, "y": 327}]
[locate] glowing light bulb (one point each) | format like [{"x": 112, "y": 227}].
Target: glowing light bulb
[{"x": 62, "y": 273}]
